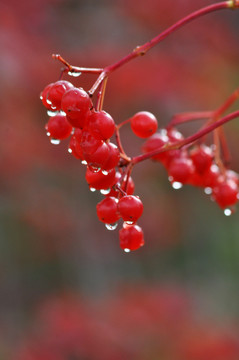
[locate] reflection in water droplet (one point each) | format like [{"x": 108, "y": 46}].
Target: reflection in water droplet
[
  {"x": 92, "y": 189},
  {"x": 55, "y": 141},
  {"x": 69, "y": 150},
  {"x": 48, "y": 134},
  {"x": 177, "y": 185},
  {"x": 129, "y": 222},
  {"x": 48, "y": 102},
  {"x": 104, "y": 172},
  {"x": 111, "y": 226},
  {"x": 84, "y": 162},
  {"x": 127, "y": 250},
  {"x": 94, "y": 169},
  {"x": 41, "y": 97},
  {"x": 74, "y": 73},
  {"x": 51, "y": 113},
  {"x": 208, "y": 190},
  {"x": 105, "y": 192},
  {"x": 227, "y": 212},
  {"x": 62, "y": 112}
]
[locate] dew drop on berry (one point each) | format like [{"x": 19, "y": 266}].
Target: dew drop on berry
[
  {"x": 105, "y": 191},
  {"x": 129, "y": 222},
  {"x": 52, "y": 113},
  {"x": 48, "y": 102},
  {"x": 55, "y": 141},
  {"x": 94, "y": 169},
  {"x": 84, "y": 162},
  {"x": 208, "y": 190},
  {"x": 48, "y": 133},
  {"x": 41, "y": 97},
  {"x": 227, "y": 212},
  {"x": 74, "y": 73},
  {"x": 104, "y": 172},
  {"x": 69, "y": 150},
  {"x": 92, "y": 189},
  {"x": 111, "y": 226},
  {"x": 127, "y": 250},
  {"x": 63, "y": 113},
  {"x": 177, "y": 185}
]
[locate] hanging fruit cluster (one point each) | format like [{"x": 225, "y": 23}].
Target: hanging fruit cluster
[{"x": 90, "y": 130}]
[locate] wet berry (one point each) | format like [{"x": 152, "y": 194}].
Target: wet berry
[
  {"x": 58, "y": 127},
  {"x": 130, "y": 208},
  {"x": 226, "y": 193},
  {"x": 144, "y": 124},
  {"x": 101, "y": 125},
  {"x": 107, "y": 210},
  {"x": 131, "y": 237},
  {"x": 56, "y": 91}
]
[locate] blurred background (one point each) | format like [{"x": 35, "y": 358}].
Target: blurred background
[{"x": 67, "y": 291}]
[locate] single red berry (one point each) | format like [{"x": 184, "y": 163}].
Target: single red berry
[
  {"x": 76, "y": 104},
  {"x": 211, "y": 176},
  {"x": 180, "y": 169},
  {"x": 100, "y": 180},
  {"x": 225, "y": 193},
  {"x": 130, "y": 208},
  {"x": 99, "y": 157},
  {"x": 44, "y": 97},
  {"x": 89, "y": 143},
  {"x": 74, "y": 148},
  {"x": 58, "y": 127},
  {"x": 131, "y": 237},
  {"x": 114, "y": 156},
  {"x": 144, "y": 124},
  {"x": 107, "y": 210},
  {"x": 156, "y": 142},
  {"x": 56, "y": 91},
  {"x": 202, "y": 157},
  {"x": 101, "y": 124}
]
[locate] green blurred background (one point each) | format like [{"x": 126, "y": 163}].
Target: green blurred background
[{"x": 67, "y": 291}]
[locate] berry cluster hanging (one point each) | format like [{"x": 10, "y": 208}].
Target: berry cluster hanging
[{"x": 90, "y": 129}]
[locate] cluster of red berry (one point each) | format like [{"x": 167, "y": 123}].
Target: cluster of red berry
[
  {"x": 195, "y": 165},
  {"x": 72, "y": 115}
]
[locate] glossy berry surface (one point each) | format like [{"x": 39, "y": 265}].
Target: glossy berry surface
[
  {"x": 101, "y": 124},
  {"x": 56, "y": 91},
  {"x": 99, "y": 180},
  {"x": 181, "y": 169},
  {"x": 226, "y": 193},
  {"x": 107, "y": 210},
  {"x": 202, "y": 157},
  {"x": 131, "y": 237},
  {"x": 144, "y": 124},
  {"x": 76, "y": 104},
  {"x": 58, "y": 127},
  {"x": 130, "y": 208}
]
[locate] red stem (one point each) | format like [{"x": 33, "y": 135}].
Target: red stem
[
  {"x": 141, "y": 50},
  {"x": 188, "y": 140}
]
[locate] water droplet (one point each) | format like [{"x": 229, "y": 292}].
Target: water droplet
[
  {"x": 62, "y": 112},
  {"x": 111, "y": 226},
  {"x": 94, "y": 169},
  {"x": 48, "y": 133},
  {"x": 92, "y": 189},
  {"x": 208, "y": 190},
  {"x": 55, "y": 141},
  {"x": 51, "y": 113},
  {"x": 84, "y": 162},
  {"x": 177, "y": 185},
  {"x": 126, "y": 250},
  {"x": 104, "y": 172},
  {"x": 129, "y": 222},
  {"x": 105, "y": 191},
  {"x": 74, "y": 73},
  {"x": 227, "y": 212},
  {"x": 48, "y": 102},
  {"x": 41, "y": 97},
  {"x": 69, "y": 150}
]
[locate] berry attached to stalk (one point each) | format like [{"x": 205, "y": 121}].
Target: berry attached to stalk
[
  {"x": 144, "y": 124},
  {"x": 131, "y": 237},
  {"x": 58, "y": 127},
  {"x": 107, "y": 210},
  {"x": 130, "y": 208}
]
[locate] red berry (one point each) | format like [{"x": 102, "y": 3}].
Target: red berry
[
  {"x": 130, "y": 208},
  {"x": 155, "y": 142},
  {"x": 44, "y": 97},
  {"x": 76, "y": 104},
  {"x": 107, "y": 210},
  {"x": 114, "y": 156},
  {"x": 226, "y": 193},
  {"x": 211, "y": 176},
  {"x": 180, "y": 169},
  {"x": 131, "y": 237},
  {"x": 99, "y": 180},
  {"x": 89, "y": 143},
  {"x": 101, "y": 125},
  {"x": 99, "y": 157},
  {"x": 56, "y": 91},
  {"x": 202, "y": 157},
  {"x": 74, "y": 148},
  {"x": 144, "y": 124},
  {"x": 58, "y": 127}
]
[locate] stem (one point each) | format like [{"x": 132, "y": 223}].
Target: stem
[
  {"x": 101, "y": 95},
  {"x": 141, "y": 50},
  {"x": 70, "y": 68},
  {"x": 188, "y": 140}
]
